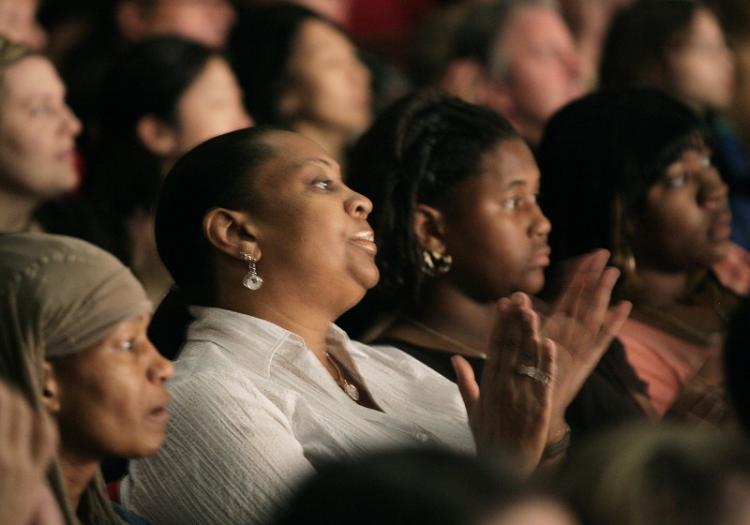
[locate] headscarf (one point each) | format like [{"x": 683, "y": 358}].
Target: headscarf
[{"x": 59, "y": 296}]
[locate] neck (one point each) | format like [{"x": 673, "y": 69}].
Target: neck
[
  {"x": 332, "y": 141},
  {"x": 77, "y": 473},
  {"x": 15, "y": 212},
  {"x": 453, "y": 314},
  {"x": 287, "y": 311},
  {"x": 660, "y": 288}
]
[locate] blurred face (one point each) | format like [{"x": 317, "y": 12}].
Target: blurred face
[
  {"x": 686, "y": 222},
  {"x": 312, "y": 229},
  {"x": 18, "y": 23},
  {"x": 113, "y": 399},
  {"x": 205, "y": 21},
  {"x": 37, "y": 132},
  {"x": 542, "y": 70},
  {"x": 495, "y": 231},
  {"x": 534, "y": 513},
  {"x": 701, "y": 69},
  {"x": 330, "y": 86},
  {"x": 211, "y": 106}
]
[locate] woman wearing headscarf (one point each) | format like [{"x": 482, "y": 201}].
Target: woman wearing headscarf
[{"x": 73, "y": 342}]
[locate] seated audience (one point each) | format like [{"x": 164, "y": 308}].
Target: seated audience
[
  {"x": 37, "y": 137},
  {"x": 631, "y": 172},
  {"x": 413, "y": 487},
  {"x": 300, "y": 71},
  {"x": 73, "y": 323},
  {"x": 660, "y": 475},
  {"x": 162, "y": 97},
  {"x": 270, "y": 247},
  {"x": 458, "y": 227},
  {"x": 679, "y": 47}
]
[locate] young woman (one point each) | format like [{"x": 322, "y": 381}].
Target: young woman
[
  {"x": 74, "y": 344},
  {"x": 37, "y": 137},
  {"x": 458, "y": 227},
  {"x": 631, "y": 172},
  {"x": 300, "y": 71},
  {"x": 270, "y": 249},
  {"x": 162, "y": 97}
]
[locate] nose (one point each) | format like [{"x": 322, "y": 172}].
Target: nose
[
  {"x": 71, "y": 124},
  {"x": 358, "y": 206},
  {"x": 713, "y": 193},
  {"x": 160, "y": 368},
  {"x": 540, "y": 226}
]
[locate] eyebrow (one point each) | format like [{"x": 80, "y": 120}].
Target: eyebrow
[{"x": 514, "y": 184}]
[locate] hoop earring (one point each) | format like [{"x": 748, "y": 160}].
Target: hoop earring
[
  {"x": 435, "y": 263},
  {"x": 251, "y": 281}
]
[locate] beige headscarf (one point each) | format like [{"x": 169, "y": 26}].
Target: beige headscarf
[{"x": 58, "y": 296}]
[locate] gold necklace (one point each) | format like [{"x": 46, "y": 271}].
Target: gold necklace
[
  {"x": 473, "y": 352},
  {"x": 349, "y": 388}
]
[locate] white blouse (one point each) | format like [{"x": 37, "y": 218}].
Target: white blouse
[{"x": 254, "y": 411}]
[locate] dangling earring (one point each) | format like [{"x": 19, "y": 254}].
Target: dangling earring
[
  {"x": 435, "y": 263},
  {"x": 251, "y": 281}
]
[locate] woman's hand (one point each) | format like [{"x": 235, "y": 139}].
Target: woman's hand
[
  {"x": 514, "y": 408},
  {"x": 27, "y": 445},
  {"x": 582, "y": 325}
]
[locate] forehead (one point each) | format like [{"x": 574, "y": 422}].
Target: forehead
[
  {"x": 316, "y": 36},
  {"x": 509, "y": 163},
  {"x": 31, "y": 76},
  {"x": 292, "y": 153},
  {"x": 533, "y": 25}
]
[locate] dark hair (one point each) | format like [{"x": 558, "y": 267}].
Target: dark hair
[
  {"x": 639, "y": 38},
  {"x": 418, "y": 151},
  {"x": 434, "y": 487},
  {"x": 147, "y": 79},
  {"x": 598, "y": 157},
  {"x": 737, "y": 363},
  {"x": 216, "y": 173},
  {"x": 261, "y": 45}
]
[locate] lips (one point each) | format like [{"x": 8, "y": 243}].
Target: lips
[
  {"x": 721, "y": 228},
  {"x": 160, "y": 411},
  {"x": 365, "y": 240},
  {"x": 541, "y": 257}
]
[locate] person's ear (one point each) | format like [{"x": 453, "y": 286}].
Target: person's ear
[
  {"x": 429, "y": 228},
  {"x": 50, "y": 388},
  {"x": 497, "y": 95},
  {"x": 157, "y": 136},
  {"x": 290, "y": 103},
  {"x": 231, "y": 232}
]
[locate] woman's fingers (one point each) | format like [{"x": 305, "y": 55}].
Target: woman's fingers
[
  {"x": 467, "y": 383},
  {"x": 586, "y": 273}
]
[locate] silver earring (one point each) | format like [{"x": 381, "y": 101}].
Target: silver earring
[{"x": 251, "y": 281}]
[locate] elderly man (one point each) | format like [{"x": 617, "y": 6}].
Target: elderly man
[{"x": 516, "y": 57}]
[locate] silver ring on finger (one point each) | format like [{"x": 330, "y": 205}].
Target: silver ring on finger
[{"x": 534, "y": 373}]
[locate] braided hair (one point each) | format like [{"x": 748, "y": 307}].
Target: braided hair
[{"x": 418, "y": 152}]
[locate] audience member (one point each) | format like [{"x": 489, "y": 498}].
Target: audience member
[
  {"x": 278, "y": 248},
  {"x": 660, "y": 475},
  {"x": 631, "y": 172},
  {"x": 162, "y": 97},
  {"x": 679, "y": 47},
  {"x": 37, "y": 137},
  {"x": 298, "y": 70},
  {"x": 74, "y": 344},
  {"x": 413, "y": 487},
  {"x": 518, "y": 58},
  {"x": 458, "y": 227}
]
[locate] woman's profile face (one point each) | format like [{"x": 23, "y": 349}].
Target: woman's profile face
[
  {"x": 37, "y": 131},
  {"x": 701, "y": 68},
  {"x": 495, "y": 230},
  {"x": 686, "y": 221},
  {"x": 312, "y": 229},
  {"x": 211, "y": 106},
  {"x": 112, "y": 396},
  {"x": 330, "y": 87}
]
